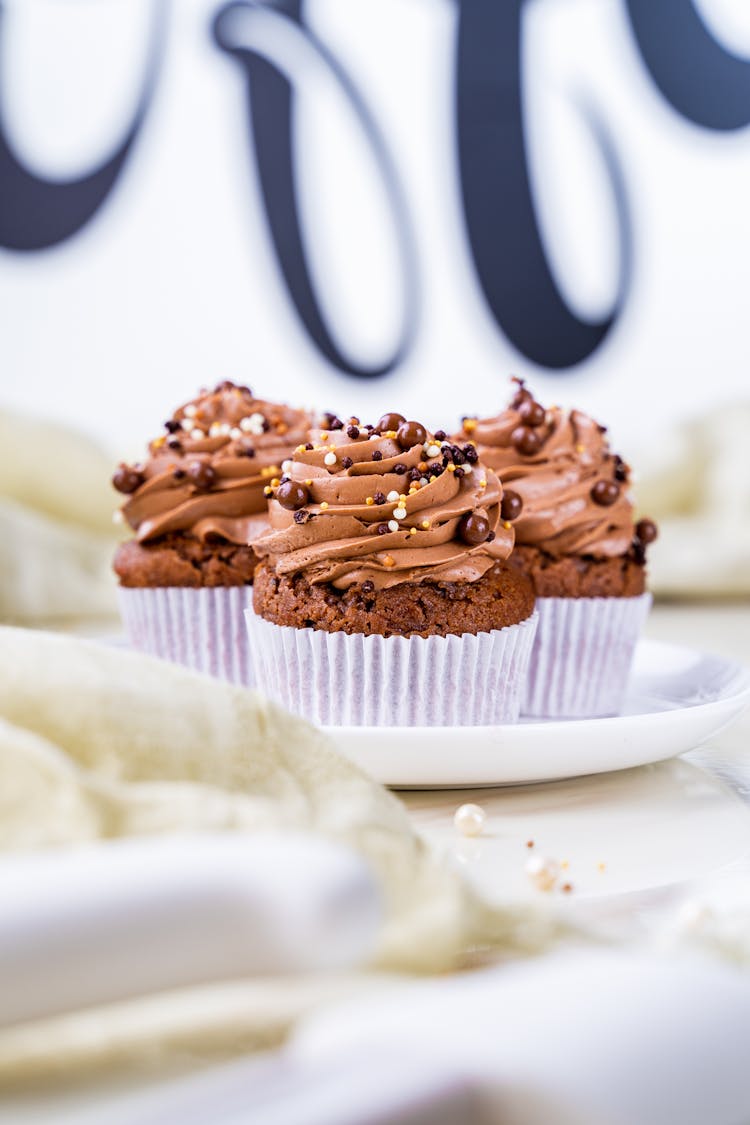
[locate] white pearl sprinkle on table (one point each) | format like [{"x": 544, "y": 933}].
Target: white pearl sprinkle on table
[{"x": 469, "y": 819}]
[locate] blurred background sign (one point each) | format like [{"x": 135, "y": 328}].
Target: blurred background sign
[{"x": 383, "y": 203}]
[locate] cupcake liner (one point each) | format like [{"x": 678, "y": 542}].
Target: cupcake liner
[
  {"x": 202, "y": 628},
  {"x": 582, "y": 655},
  {"x": 337, "y": 679}
]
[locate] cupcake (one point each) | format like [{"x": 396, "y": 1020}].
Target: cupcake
[
  {"x": 196, "y": 505},
  {"x": 384, "y": 595},
  {"x": 578, "y": 543}
]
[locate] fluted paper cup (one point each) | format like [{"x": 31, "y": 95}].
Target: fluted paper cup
[
  {"x": 200, "y": 628},
  {"x": 582, "y": 655},
  {"x": 337, "y": 679}
]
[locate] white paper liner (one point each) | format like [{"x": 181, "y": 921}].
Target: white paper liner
[
  {"x": 200, "y": 628},
  {"x": 582, "y": 656},
  {"x": 340, "y": 680}
]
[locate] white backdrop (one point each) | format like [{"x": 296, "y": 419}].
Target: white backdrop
[{"x": 174, "y": 284}]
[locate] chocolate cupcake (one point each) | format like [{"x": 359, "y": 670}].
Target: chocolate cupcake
[
  {"x": 578, "y": 543},
  {"x": 384, "y": 594},
  {"x": 196, "y": 505}
]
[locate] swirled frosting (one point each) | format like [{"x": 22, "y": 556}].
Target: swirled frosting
[
  {"x": 370, "y": 510},
  {"x": 574, "y": 489},
  {"x": 206, "y": 476}
]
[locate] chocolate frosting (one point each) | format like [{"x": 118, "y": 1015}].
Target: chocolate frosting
[
  {"x": 244, "y": 442},
  {"x": 555, "y": 483},
  {"x": 363, "y": 521}
]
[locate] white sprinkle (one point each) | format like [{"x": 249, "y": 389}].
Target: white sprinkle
[
  {"x": 191, "y": 411},
  {"x": 467, "y": 470},
  {"x": 117, "y": 516},
  {"x": 187, "y": 423},
  {"x": 543, "y": 872},
  {"x": 286, "y": 466},
  {"x": 214, "y": 429},
  {"x": 235, "y": 433},
  {"x": 432, "y": 451},
  {"x": 253, "y": 424},
  {"x": 423, "y": 481},
  {"x": 393, "y": 496},
  {"x": 197, "y": 435},
  {"x": 392, "y": 525},
  {"x": 399, "y": 513},
  {"x": 469, "y": 820},
  {"x": 330, "y": 458}
]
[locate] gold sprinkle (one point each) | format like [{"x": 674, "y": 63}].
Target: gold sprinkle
[
  {"x": 388, "y": 561},
  {"x": 413, "y": 489},
  {"x": 300, "y": 449},
  {"x": 275, "y": 482},
  {"x": 507, "y": 525},
  {"x": 324, "y": 436},
  {"x": 422, "y": 466},
  {"x": 470, "y": 424},
  {"x": 580, "y": 448},
  {"x": 483, "y": 484},
  {"x": 324, "y": 505},
  {"x": 281, "y": 428},
  {"x": 412, "y": 531},
  {"x": 451, "y": 467},
  {"x": 159, "y": 442},
  {"x": 389, "y": 433},
  {"x": 369, "y": 500},
  {"x": 308, "y": 482},
  {"x": 425, "y": 524},
  {"x": 268, "y": 491}
]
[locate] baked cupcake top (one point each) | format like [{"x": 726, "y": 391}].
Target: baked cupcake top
[
  {"x": 385, "y": 505},
  {"x": 205, "y": 476},
  {"x": 573, "y": 489}
]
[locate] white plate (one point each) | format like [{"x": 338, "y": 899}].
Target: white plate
[{"x": 677, "y": 699}]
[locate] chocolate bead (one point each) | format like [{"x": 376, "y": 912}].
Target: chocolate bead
[
  {"x": 302, "y": 515},
  {"x": 526, "y": 441},
  {"x": 377, "y": 455},
  {"x": 379, "y": 497},
  {"x": 174, "y": 444},
  {"x": 331, "y": 422},
  {"x": 382, "y": 529},
  {"x": 179, "y": 474},
  {"x": 470, "y": 453},
  {"x": 621, "y": 469},
  {"x": 172, "y": 427},
  {"x": 353, "y": 432},
  {"x": 389, "y": 422},
  {"x": 399, "y": 469},
  {"x": 647, "y": 531},
  {"x": 473, "y": 528},
  {"x": 440, "y": 435},
  {"x": 201, "y": 475},
  {"x": 292, "y": 495},
  {"x": 346, "y": 462},
  {"x": 410, "y": 434},
  {"x": 368, "y": 586},
  {"x": 127, "y": 479},
  {"x": 605, "y": 492},
  {"x": 638, "y": 551},
  {"x": 532, "y": 413},
  {"x": 511, "y": 506}
]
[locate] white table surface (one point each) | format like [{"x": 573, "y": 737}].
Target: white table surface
[{"x": 633, "y": 844}]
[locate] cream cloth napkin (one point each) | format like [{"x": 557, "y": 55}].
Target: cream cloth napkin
[
  {"x": 96, "y": 742},
  {"x": 56, "y": 532},
  {"x": 696, "y": 484}
]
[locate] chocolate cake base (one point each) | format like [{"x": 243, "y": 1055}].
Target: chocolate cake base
[
  {"x": 501, "y": 597},
  {"x": 579, "y": 576},
  {"x": 180, "y": 560}
]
